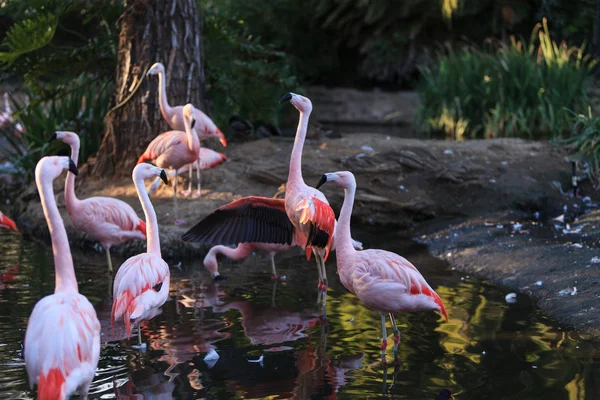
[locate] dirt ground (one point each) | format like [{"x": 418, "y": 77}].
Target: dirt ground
[{"x": 450, "y": 195}]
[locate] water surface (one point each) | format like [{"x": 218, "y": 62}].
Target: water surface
[{"x": 488, "y": 350}]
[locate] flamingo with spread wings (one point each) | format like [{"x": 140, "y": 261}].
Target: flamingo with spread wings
[
  {"x": 62, "y": 341},
  {"x": 105, "y": 219},
  {"x": 141, "y": 286},
  {"x": 382, "y": 280}
]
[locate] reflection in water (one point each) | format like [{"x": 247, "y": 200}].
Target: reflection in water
[{"x": 488, "y": 350}]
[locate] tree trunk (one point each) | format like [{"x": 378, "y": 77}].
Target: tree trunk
[{"x": 168, "y": 31}]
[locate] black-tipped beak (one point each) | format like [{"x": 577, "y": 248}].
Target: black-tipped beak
[
  {"x": 73, "y": 167},
  {"x": 286, "y": 97},
  {"x": 52, "y": 137},
  {"x": 193, "y": 123},
  {"x": 321, "y": 181},
  {"x": 163, "y": 176}
]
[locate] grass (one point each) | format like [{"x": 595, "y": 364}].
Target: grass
[
  {"x": 517, "y": 89},
  {"x": 584, "y": 144},
  {"x": 80, "y": 109}
]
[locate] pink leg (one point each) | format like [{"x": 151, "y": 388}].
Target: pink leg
[
  {"x": 396, "y": 336},
  {"x": 383, "y": 339}
]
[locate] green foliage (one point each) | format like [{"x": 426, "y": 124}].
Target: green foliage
[
  {"x": 584, "y": 143},
  {"x": 246, "y": 74},
  {"x": 520, "y": 89},
  {"x": 28, "y": 36},
  {"x": 80, "y": 109}
]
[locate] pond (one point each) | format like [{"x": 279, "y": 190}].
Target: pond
[{"x": 488, "y": 350}]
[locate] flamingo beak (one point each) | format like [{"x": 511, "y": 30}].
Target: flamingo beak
[
  {"x": 193, "y": 123},
  {"x": 8, "y": 223},
  {"x": 163, "y": 176},
  {"x": 73, "y": 167},
  {"x": 286, "y": 97},
  {"x": 321, "y": 181},
  {"x": 52, "y": 137}
]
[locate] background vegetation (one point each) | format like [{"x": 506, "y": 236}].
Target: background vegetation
[{"x": 476, "y": 75}]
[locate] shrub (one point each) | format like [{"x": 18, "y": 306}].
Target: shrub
[
  {"x": 519, "y": 89},
  {"x": 584, "y": 144}
]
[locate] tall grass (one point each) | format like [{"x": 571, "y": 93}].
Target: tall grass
[
  {"x": 80, "y": 109},
  {"x": 519, "y": 89},
  {"x": 584, "y": 144}
]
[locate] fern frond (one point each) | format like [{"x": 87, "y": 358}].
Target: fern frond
[{"x": 27, "y": 36}]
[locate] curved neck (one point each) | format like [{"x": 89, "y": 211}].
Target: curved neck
[
  {"x": 240, "y": 252},
  {"x": 193, "y": 141},
  {"x": 165, "y": 109},
  {"x": 63, "y": 262},
  {"x": 151, "y": 222},
  {"x": 70, "y": 197},
  {"x": 295, "y": 174},
  {"x": 343, "y": 237}
]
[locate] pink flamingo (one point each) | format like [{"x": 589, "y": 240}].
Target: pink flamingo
[
  {"x": 253, "y": 224},
  {"x": 142, "y": 283},
  {"x": 7, "y": 223},
  {"x": 205, "y": 128},
  {"x": 174, "y": 149},
  {"x": 382, "y": 280},
  {"x": 106, "y": 220},
  {"x": 207, "y": 159},
  {"x": 62, "y": 341}
]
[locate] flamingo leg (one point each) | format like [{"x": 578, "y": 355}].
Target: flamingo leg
[
  {"x": 198, "y": 176},
  {"x": 110, "y": 267},
  {"x": 273, "y": 294},
  {"x": 273, "y": 269},
  {"x": 383, "y": 339},
  {"x": 140, "y": 336},
  {"x": 396, "y": 336},
  {"x": 323, "y": 271}
]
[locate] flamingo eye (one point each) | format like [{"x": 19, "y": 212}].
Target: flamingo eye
[{"x": 158, "y": 287}]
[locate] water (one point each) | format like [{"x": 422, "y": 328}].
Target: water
[{"x": 488, "y": 349}]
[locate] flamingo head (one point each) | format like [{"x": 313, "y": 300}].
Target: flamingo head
[
  {"x": 146, "y": 171},
  {"x": 52, "y": 166},
  {"x": 211, "y": 265},
  {"x": 156, "y": 68},
  {"x": 302, "y": 104},
  {"x": 188, "y": 114},
  {"x": 69, "y": 138},
  {"x": 344, "y": 179}
]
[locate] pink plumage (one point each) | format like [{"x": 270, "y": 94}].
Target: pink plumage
[
  {"x": 109, "y": 221},
  {"x": 141, "y": 286},
  {"x": 382, "y": 280},
  {"x": 7, "y": 223},
  {"x": 62, "y": 341}
]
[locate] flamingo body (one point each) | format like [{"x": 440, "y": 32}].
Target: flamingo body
[
  {"x": 141, "y": 287},
  {"x": 7, "y": 223},
  {"x": 62, "y": 341}
]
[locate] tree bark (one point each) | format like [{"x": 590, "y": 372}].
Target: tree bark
[{"x": 167, "y": 31}]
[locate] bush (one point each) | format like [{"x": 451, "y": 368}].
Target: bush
[
  {"x": 80, "y": 109},
  {"x": 584, "y": 144},
  {"x": 520, "y": 89}
]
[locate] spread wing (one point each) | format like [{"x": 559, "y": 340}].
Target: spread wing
[
  {"x": 318, "y": 221},
  {"x": 247, "y": 220}
]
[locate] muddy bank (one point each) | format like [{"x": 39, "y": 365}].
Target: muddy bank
[{"x": 452, "y": 195}]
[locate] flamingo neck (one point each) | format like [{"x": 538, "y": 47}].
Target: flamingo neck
[
  {"x": 71, "y": 200},
  {"x": 295, "y": 174},
  {"x": 63, "y": 262},
  {"x": 151, "y": 221},
  {"x": 193, "y": 141},
  {"x": 242, "y": 251},
  {"x": 343, "y": 237},
  {"x": 165, "y": 108}
]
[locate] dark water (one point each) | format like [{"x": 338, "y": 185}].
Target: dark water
[{"x": 488, "y": 350}]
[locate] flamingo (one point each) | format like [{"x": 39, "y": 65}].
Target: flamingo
[
  {"x": 62, "y": 341},
  {"x": 207, "y": 159},
  {"x": 205, "y": 128},
  {"x": 252, "y": 223},
  {"x": 383, "y": 281},
  {"x": 109, "y": 221},
  {"x": 7, "y": 223},
  {"x": 174, "y": 149},
  {"x": 141, "y": 286}
]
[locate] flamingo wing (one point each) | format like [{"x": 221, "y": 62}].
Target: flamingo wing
[
  {"x": 206, "y": 128},
  {"x": 248, "y": 220},
  {"x": 7, "y": 223},
  {"x": 209, "y": 158},
  {"x": 105, "y": 210},
  {"x": 62, "y": 344},
  {"x": 141, "y": 284},
  {"x": 380, "y": 272},
  {"x": 161, "y": 144},
  {"x": 318, "y": 221}
]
